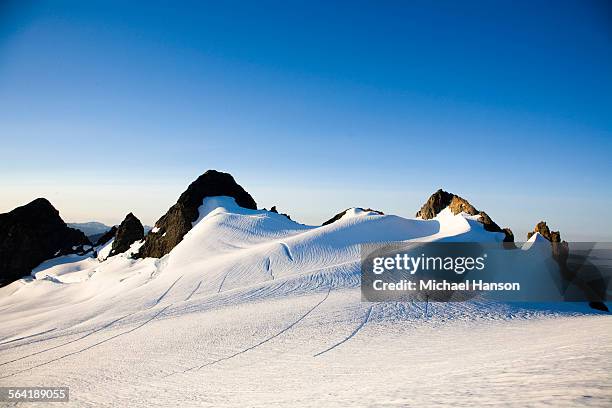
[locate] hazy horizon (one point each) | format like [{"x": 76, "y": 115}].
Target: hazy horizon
[
  {"x": 296, "y": 204},
  {"x": 109, "y": 108}
]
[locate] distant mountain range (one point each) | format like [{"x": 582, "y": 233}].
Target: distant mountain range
[{"x": 94, "y": 229}]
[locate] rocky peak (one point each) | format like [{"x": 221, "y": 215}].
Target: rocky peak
[
  {"x": 172, "y": 227},
  {"x": 211, "y": 184},
  {"x": 542, "y": 229},
  {"x": 39, "y": 210},
  {"x": 31, "y": 234},
  {"x": 441, "y": 199},
  {"x": 130, "y": 230},
  {"x": 560, "y": 248}
]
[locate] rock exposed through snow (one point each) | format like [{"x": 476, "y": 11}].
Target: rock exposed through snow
[
  {"x": 172, "y": 227},
  {"x": 107, "y": 236},
  {"x": 31, "y": 234},
  {"x": 343, "y": 213},
  {"x": 441, "y": 199},
  {"x": 542, "y": 228},
  {"x": 274, "y": 210},
  {"x": 130, "y": 230}
]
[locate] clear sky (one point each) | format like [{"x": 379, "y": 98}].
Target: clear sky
[{"x": 111, "y": 107}]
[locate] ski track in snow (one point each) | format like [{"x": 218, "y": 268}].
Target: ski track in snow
[
  {"x": 88, "y": 347},
  {"x": 71, "y": 341},
  {"x": 222, "y": 282},
  {"x": 350, "y": 336},
  {"x": 269, "y": 338},
  {"x": 91, "y": 332},
  {"x": 194, "y": 291},
  {"x": 28, "y": 337},
  {"x": 261, "y": 342},
  {"x": 15, "y": 346},
  {"x": 167, "y": 290}
]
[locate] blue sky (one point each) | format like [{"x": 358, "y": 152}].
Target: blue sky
[{"x": 107, "y": 108}]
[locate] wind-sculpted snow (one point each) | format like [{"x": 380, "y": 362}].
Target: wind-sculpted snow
[{"x": 252, "y": 301}]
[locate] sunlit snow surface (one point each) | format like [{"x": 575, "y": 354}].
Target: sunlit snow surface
[{"x": 253, "y": 309}]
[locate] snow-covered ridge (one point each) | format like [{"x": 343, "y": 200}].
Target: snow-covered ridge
[
  {"x": 230, "y": 247},
  {"x": 250, "y": 295},
  {"x": 358, "y": 212}
]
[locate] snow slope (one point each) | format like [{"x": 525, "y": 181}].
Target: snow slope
[{"x": 254, "y": 309}]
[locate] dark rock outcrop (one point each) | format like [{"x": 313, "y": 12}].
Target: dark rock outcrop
[
  {"x": 542, "y": 229},
  {"x": 341, "y": 214},
  {"x": 509, "y": 235},
  {"x": 172, "y": 227},
  {"x": 274, "y": 210},
  {"x": 560, "y": 248},
  {"x": 107, "y": 236},
  {"x": 32, "y": 234},
  {"x": 130, "y": 230},
  {"x": 442, "y": 199}
]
